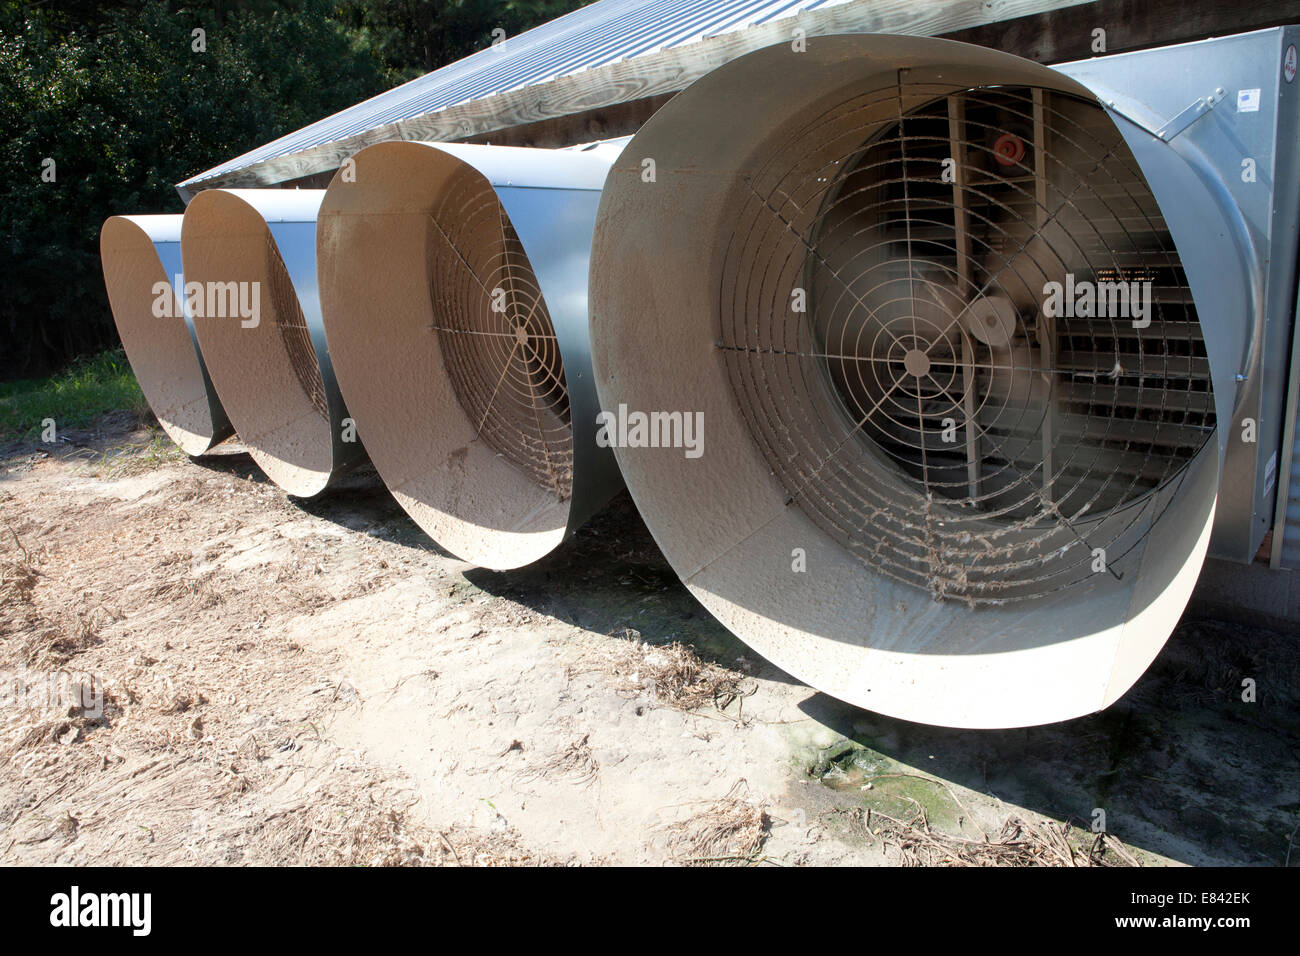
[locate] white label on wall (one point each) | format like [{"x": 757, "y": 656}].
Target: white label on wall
[{"x": 1248, "y": 101}]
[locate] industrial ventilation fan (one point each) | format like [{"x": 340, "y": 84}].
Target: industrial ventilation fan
[
  {"x": 1001, "y": 431},
  {"x": 454, "y": 289},
  {"x": 141, "y": 256},
  {"x": 967, "y": 338},
  {"x": 253, "y": 254}
]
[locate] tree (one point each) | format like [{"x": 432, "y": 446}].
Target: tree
[
  {"x": 120, "y": 100},
  {"x": 413, "y": 37}
]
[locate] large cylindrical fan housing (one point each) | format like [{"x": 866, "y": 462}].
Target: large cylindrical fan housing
[
  {"x": 936, "y": 482},
  {"x": 253, "y": 254},
  {"x": 454, "y": 286},
  {"x": 141, "y": 256}
]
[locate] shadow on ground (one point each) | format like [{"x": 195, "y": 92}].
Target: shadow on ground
[
  {"x": 611, "y": 577},
  {"x": 1182, "y": 765}
]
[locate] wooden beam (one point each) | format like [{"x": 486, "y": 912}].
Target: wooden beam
[
  {"x": 1059, "y": 36},
  {"x": 621, "y": 119},
  {"x": 646, "y": 77},
  {"x": 965, "y": 282}
]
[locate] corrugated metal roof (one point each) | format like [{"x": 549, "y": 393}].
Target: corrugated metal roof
[{"x": 603, "y": 32}]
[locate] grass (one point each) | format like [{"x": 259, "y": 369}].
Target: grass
[
  {"x": 133, "y": 458},
  {"x": 74, "y": 398}
]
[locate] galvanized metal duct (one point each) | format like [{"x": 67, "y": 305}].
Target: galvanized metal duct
[
  {"x": 454, "y": 290},
  {"x": 253, "y": 252},
  {"x": 141, "y": 257},
  {"x": 919, "y": 490}
]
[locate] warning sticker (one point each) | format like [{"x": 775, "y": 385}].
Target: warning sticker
[{"x": 1248, "y": 101}]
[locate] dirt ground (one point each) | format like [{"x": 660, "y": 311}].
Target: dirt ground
[{"x": 316, "y": 682}]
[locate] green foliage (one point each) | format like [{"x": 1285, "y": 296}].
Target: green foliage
[
  {"x": 74, "y": 398},
  {"x": 125, "y": 107},
  {"x": 125, "y": 110},
  {"x": 413, "y": 37},
  {"x": 115, "y": 94}
]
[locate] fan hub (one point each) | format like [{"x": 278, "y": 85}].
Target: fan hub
[{"x": 917, "y": 363}]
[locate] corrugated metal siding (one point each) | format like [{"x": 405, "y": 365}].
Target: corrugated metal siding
[
  {"x": 603, "y": 32},
  {"x": 1291, "y": 529},
  {"x": 1286, "y": 515}
]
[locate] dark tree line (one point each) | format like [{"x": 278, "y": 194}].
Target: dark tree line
[{"x": 105, "y": 105}]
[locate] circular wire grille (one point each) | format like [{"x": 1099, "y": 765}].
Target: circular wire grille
[
  {"x": 292, "y": 326},
  {"x": 498, "y": 344},
  {"x": 890, "y": 331}
]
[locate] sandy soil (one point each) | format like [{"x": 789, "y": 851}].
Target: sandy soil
[{"x": 315, "y": 682}]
